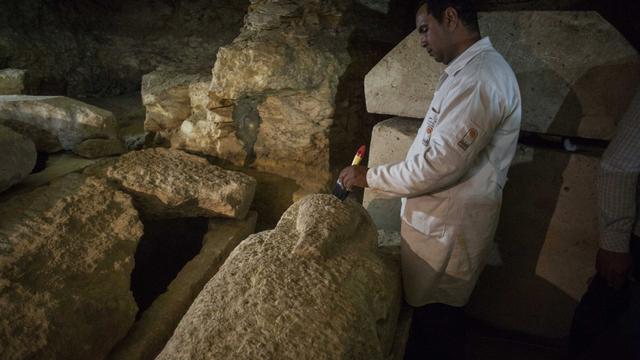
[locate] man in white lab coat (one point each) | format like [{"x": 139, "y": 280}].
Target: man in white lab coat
[{"x": 452, "y": 178}]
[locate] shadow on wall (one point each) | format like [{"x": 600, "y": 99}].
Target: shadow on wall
[
  {"x": 374, "y": 35},
  {"x": 515, "y": 295}
]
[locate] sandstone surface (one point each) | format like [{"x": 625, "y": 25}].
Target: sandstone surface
[
  {"x": 56, "y": 122},
  {"x": 271, "y": 98},
  {"x": 165, "y": 95},
  {"x": 148, "y": 335},
  {"x": 557, "y": 78},
  {"x": 17, "y": 157},
  {"x": 172, "y": 183},
  {"x": 315, "y": 287},
  {"x": 65, "y": 264},
  {"x": 12, "y": 81},
  {"x": 210, "y": 138}
]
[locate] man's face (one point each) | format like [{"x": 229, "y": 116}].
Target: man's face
[{"x": 434, "y": 36}]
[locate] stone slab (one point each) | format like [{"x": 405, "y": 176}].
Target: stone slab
[
  {"x": 58, "y": 165},
  {"x": 577, "y": 74},
  {"x": 12, "y": 81},
  {"x": 65, "y": 267},
  {"x": 17, "y": 157},
  {"x": 56, "y": 122},
  {"x": 315, "y": 287},
  {"x": 149, "y": 335},
  {"x": 172, "y": 183}
]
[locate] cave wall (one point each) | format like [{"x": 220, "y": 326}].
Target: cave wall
[{"x": 102, "y": 48}]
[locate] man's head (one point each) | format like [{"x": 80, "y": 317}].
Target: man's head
[{"x": 447, "y": 27}]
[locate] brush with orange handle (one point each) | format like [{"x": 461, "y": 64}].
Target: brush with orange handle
[{"x": 339, "y": 190}]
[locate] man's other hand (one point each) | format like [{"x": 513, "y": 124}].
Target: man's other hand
[
  {"x": 614, "y": 267},
  {"x": 353, "y": 176}
]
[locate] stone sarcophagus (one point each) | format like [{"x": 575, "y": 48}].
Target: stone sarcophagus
[{"x": 315, "y": 287}]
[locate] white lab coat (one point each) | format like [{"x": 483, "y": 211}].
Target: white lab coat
[{"x": 452, "y": 178}]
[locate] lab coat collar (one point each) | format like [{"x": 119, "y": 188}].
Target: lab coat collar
[{"x": 463, "y": 59}]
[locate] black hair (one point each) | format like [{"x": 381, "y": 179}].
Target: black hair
[{"x": 465, "y": 9}]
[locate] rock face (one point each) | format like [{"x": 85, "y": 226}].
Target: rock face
[
  {"x": 556, "y": 77},
  {"x": 56, "y": 122},
  {"x": 165, "y": 94},
  {"x": 66, "y": 259},
  {"x": 208, "y": 133},
  {"x": 271, "y": 100},
  {"x": 90, "y": 48},
  {"x": 377, "y": 5},
  {"x": 17, "y": 157},
  {"x": 12, "y": 81},
  {"x": 172, "y": 183},
  {"x": 312, "y": 288}
]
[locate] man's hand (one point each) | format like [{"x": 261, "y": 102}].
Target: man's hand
[
  {"x": 614, "y": 267},
  {"x": 353, "y": 176}
]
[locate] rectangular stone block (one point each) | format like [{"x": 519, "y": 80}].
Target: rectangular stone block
[
  {"x": 390, "y": 141},
  {"x": 577, "y": 74}
]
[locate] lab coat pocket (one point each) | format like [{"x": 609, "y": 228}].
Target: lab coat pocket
[
  {"x": 429, "y": 238},
  {"x": 473, "y": 237}
]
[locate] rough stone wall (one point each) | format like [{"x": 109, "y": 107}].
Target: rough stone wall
[
  {"x": 273, "y": 90},
  {"x": 104, "y": 47},
  {"x": 315, "y": 287}
]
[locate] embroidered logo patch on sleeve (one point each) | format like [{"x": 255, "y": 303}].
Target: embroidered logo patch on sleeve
[
  {"x": 427, "y": 136},
  {"x": 468, "y": 139}
]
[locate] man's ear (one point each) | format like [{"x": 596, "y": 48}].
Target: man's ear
[{"x": 450, "y": 18}]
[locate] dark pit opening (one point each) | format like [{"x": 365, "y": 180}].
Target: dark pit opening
[
  {"x": 41, "y": 162},
  {"x": 166, "y": 246}
]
